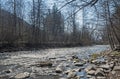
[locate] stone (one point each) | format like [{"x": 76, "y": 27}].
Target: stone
[
  {"x": 67, "y": 65},
  {"x": 92, "y": 78},
  {"x": 99, "y": 61},
  {"x": 77, "y": 77},
  {"x": 90, "y": 67},
  {"x": 44, "y": 64},
  {"x": 76, "y": 60},
  {"x": 106, "y": 66},
  {"x": 67, "y": 71},
  {"x": 99, "y": 72},
  {"x": 79, "y": 64},
  {"x": 71, "y": 74},
  {"x": 107, "y": 70},
  {"x": 58, "y": 70},
  {"x": 111, "y": 64},
  {"x": 91, "y": 72},
  {"x": 8, "y": 71},
  {"x": 75, "y": 57},
  {"x": 61, "y": 59},
  {"x": 77, "y": 69},
  {"x": 22, "y": 75},
  {"x": 116, "y": 68},
  {"x": 113, "y": 72},
  {"x": 99, "y": 77},
  {"x": 89, "y": 76}
]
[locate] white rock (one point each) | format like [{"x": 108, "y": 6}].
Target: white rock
[
  {"x": 22, "y": 75},
  {"x": 79, "y": 64},
  {"x": 99, "y": 77},
  {"x": 71, "y": 74},
  {"x": 90, "y": 67},
  {"x": 89, "y": 76},
  {"x": 106, "y": 66},
  {"x": 113, "y": 72},
  {"x": 77, "y": 69},
  {"x": 91, "y": 72},
  {"x": 92, "y": 78},
  {"x": 58, "y": 70},
  {"x": 116, "y": 68},
  {"x": 67, "y": 71}
]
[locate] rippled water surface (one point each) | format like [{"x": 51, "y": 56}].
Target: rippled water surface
[{"x": 18, "y": 61}]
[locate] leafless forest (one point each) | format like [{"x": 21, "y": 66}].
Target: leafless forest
[
  {"x": 29, "y": 23},
  {"x": 59, "y": 39}
]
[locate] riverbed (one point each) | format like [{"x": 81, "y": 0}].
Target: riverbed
[{"x": 13, "y": 63}]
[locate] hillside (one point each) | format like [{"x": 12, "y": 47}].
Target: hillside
[{"x": 10, "y": 34}]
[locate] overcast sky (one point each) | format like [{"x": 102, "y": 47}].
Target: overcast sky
[{"x": 49, "y": 4}]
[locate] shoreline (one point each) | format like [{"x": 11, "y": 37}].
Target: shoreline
[{"x": 106, "y": 65}]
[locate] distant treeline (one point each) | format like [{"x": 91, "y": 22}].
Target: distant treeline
[{"x": 45, "y": 27}]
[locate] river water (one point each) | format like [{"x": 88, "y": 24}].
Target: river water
[{"x": 22, "y": 61}]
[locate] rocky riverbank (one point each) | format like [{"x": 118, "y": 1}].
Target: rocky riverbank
[
  {"x": 71, "y": 63},
  {"x": 105, "y": 65}
]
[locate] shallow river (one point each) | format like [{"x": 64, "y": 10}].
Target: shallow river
[{"x": 23, "y": 61}]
